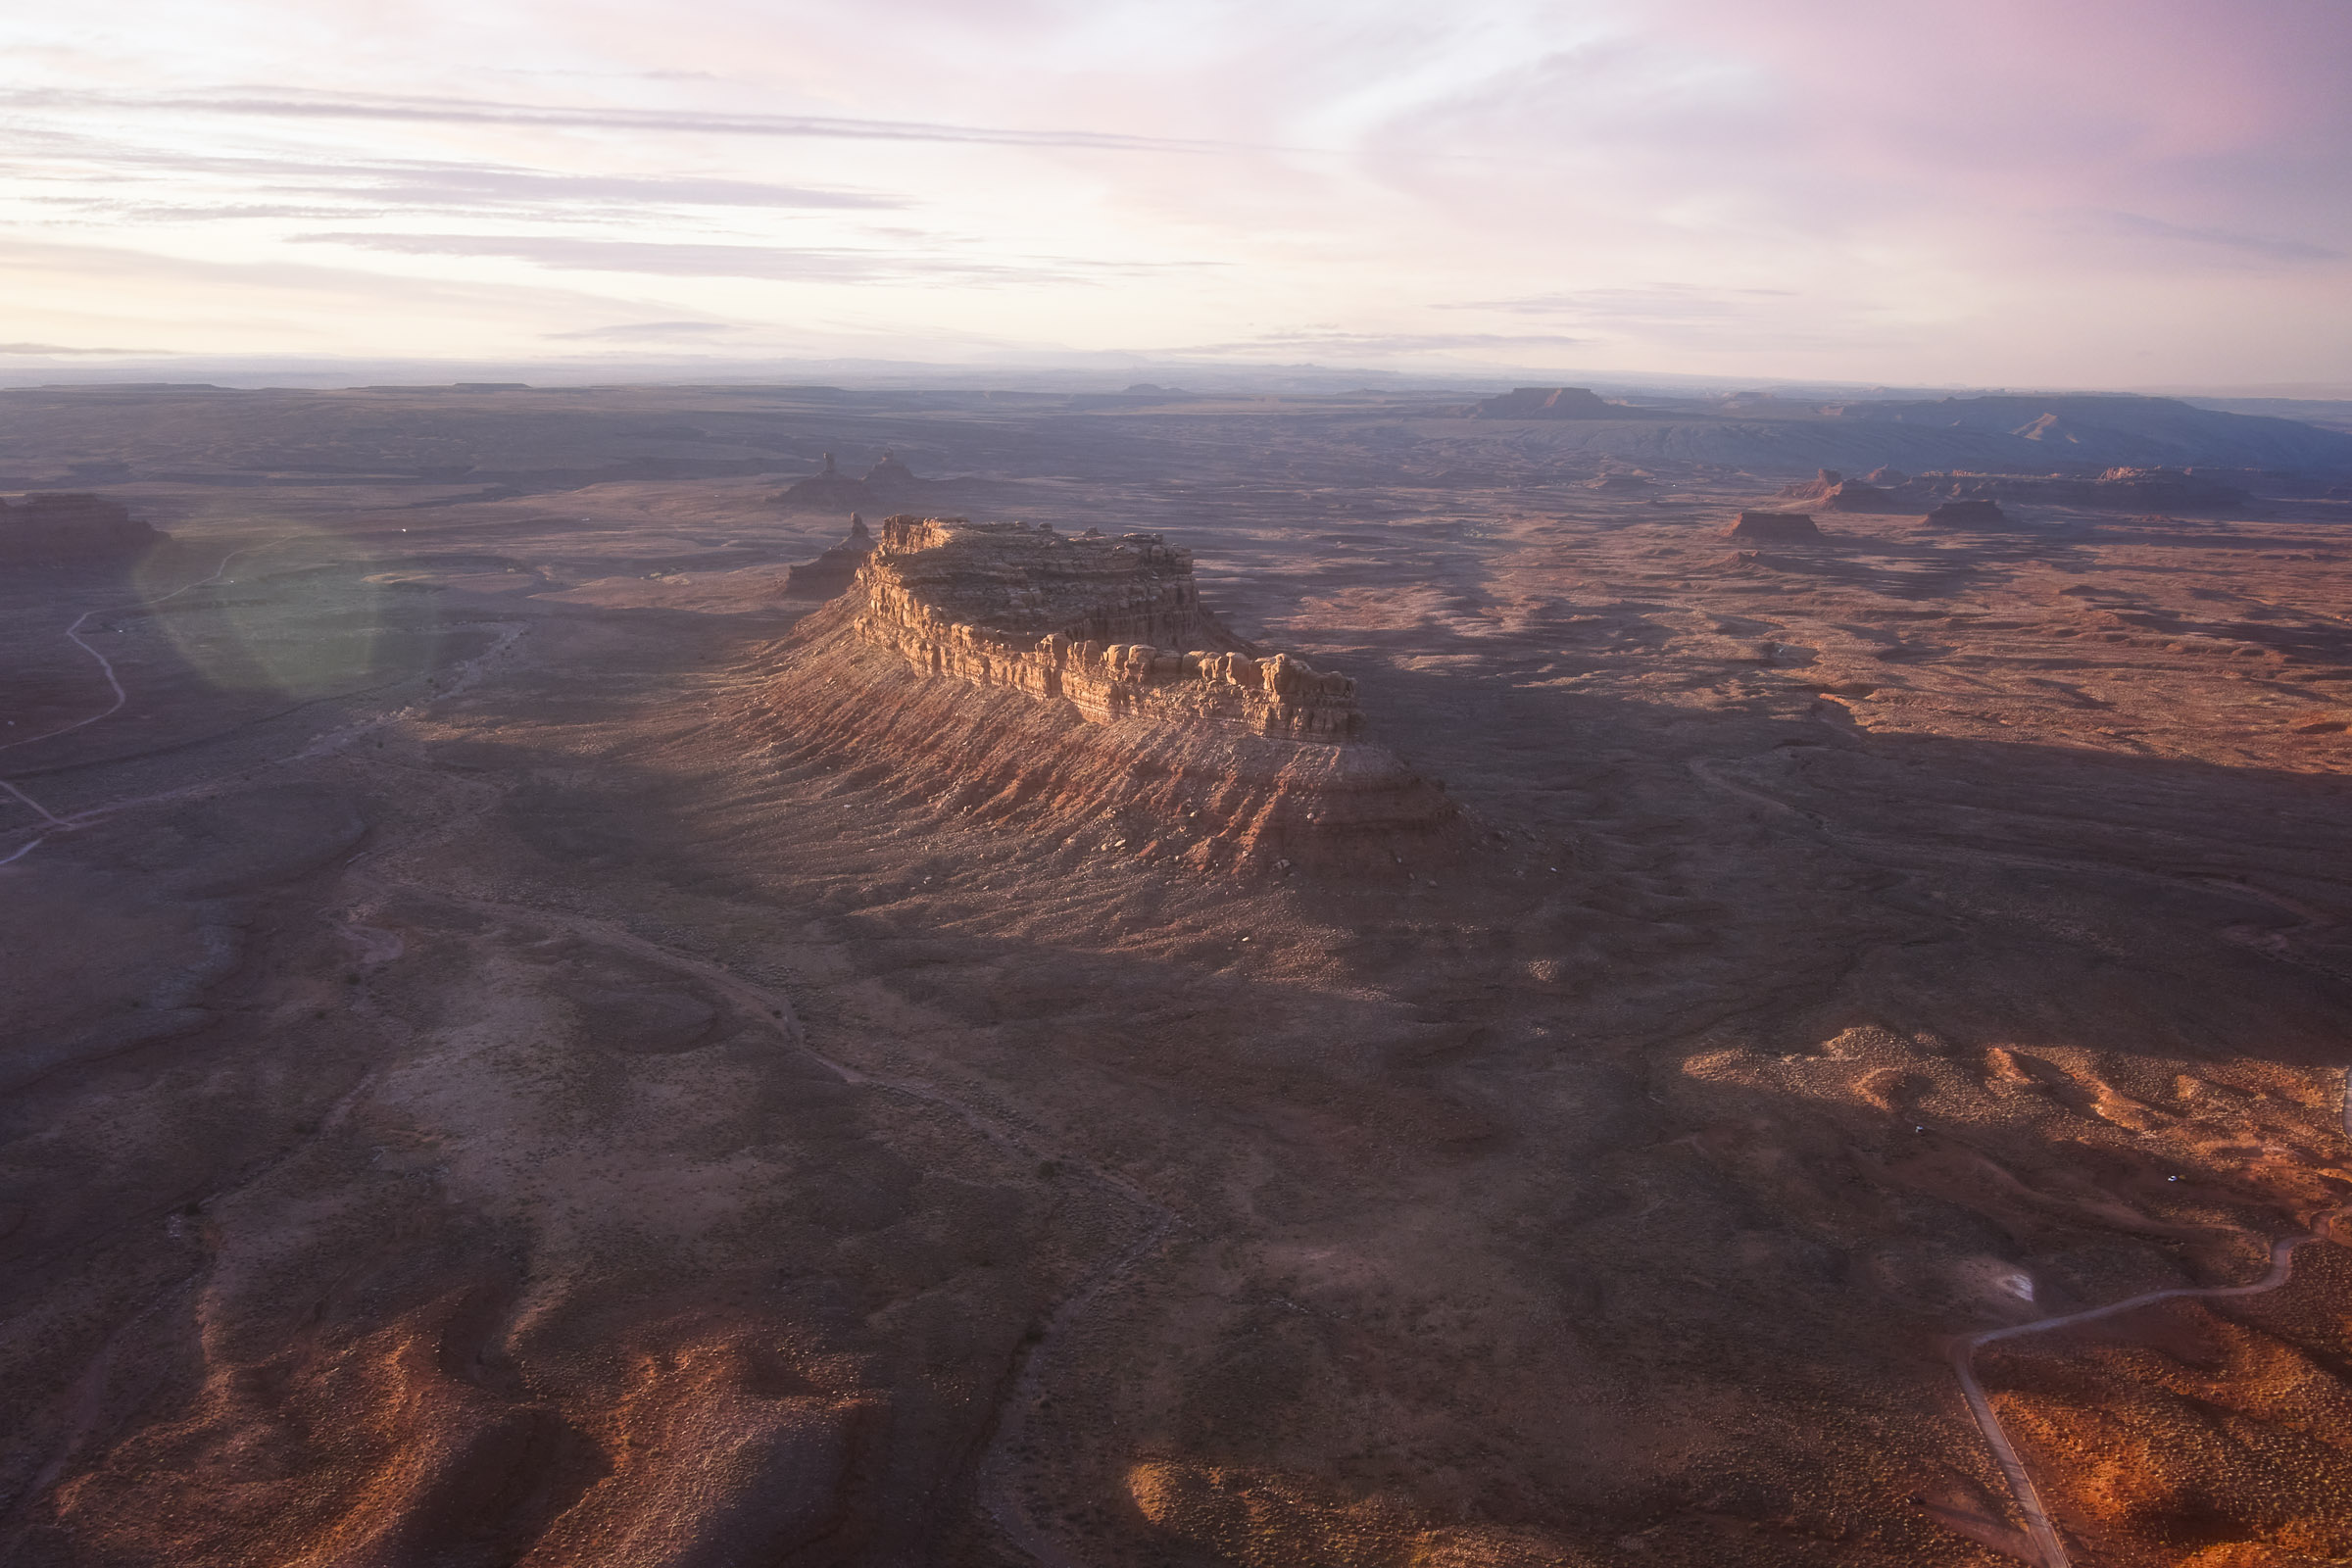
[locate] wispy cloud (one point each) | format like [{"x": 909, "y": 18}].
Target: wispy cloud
[
  {"x": 61, "y": 348},
  {"x": 1333, "y": 340},
  {"x": 1648, "y": 302},
  {"x": 666, "y": 258},
  {"x": 649, "y": 332},
  {"x": 274, "y": 103}
]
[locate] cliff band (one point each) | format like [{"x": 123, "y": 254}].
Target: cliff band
[
  {"x": 1046, "y": 678},
  {"x": 1042, "y": 607}
]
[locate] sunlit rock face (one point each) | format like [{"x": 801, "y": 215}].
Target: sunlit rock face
[
  {"x": 1004, "y": 604},
  {"x": 1055, "y": 679}
]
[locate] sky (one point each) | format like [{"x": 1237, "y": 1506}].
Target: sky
[{"x": 2122, "y": 193}]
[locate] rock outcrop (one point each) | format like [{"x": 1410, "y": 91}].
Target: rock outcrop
[
  {"x": 1619, "y": 484},
  {"x": 61, "y": 527},
  {"x": 831, "y": 573},
  {"x": 1775, "y": 527},
  {"x": 1058, "y": 682},
  {"x": 1546, "y": 403}
]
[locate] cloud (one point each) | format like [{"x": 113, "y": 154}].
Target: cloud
[
  {"x": 1385, "y": 342},
  {"x": 685, "y": 259},
  {"x": 649, "y": 332},
  {"x": 61, "y": 348},
  {"x": 1653, "y": 302},
  {"x": 291, "y": 104},
  {"x": 387, "y": 184}
]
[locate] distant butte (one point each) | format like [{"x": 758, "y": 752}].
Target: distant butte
[
  {"x": 888, "y": 482},
  {"x": 1067, "y": 683}
]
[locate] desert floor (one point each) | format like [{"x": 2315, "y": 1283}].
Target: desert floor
[{"x": 476, "y": 1092}]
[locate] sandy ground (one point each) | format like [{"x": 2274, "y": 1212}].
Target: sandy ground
[{"x": 476, "y": 1094}]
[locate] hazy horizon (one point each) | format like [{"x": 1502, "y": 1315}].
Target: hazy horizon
[{"x": 2142, "y": 197}]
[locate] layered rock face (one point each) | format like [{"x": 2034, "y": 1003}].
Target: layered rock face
[
  {"x": 1051, "y": 681},
  {"x": 1004, "y": 605},
  {"x": 60, "y": 527}
]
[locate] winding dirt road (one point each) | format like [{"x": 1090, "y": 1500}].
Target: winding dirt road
[{"x": 2021, "y": 1482}]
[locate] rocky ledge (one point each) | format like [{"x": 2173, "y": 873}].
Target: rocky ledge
[{"x": 1053, "y": 681}]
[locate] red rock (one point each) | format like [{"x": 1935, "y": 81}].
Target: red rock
[{"x": 1053, "y": 682}]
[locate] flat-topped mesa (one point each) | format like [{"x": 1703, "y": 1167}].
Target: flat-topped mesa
[{"x": 1115, "y": 626}]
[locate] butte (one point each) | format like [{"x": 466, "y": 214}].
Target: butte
[{"x": 1065, "y": 685}]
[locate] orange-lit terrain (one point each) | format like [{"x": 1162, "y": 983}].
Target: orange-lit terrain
[{"x": 528, "y": 1042}]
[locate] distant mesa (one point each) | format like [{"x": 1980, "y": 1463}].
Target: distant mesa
[
  {"x": 1888, "y": 477},
  {"x": 1077, "y": 686},
  {"x": 887, "y": 483},
  {"x": 831, "y": 573},
  {"x": 61, "y": 527},
  {"x": 1619, "y": 483},
  {"x": 1775, "y": 527},
  {"x": 1547, "y": 402},
  {"x": 1980, "y": 517}
]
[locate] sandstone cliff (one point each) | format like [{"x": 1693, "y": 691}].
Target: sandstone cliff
[{"x": 1068, "y": 683}]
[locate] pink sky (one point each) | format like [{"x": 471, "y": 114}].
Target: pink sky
[{"x": 2056, "y": 194}]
